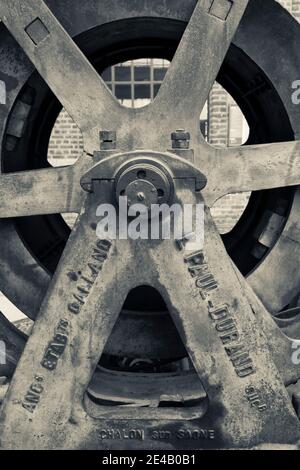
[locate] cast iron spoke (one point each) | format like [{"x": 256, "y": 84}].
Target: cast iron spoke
[
  {"x": 206, "y": 302},
  {"x": 254, "y": 168},
  {"x": 63, "y": 66},
  {"x": 36, "y": 192},
  {"x": 223, "y": 338},
  {"x": 279, "y": 344},
  {"x": 199, "y": 57},
  {"x": 74, "y": 323}
]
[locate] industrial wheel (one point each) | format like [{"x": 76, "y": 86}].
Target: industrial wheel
[{"x": 160, "y": 385}]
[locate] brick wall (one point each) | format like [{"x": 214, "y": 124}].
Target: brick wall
[
  {"x": 293, "y": 6},
  {"x": 218, "y": 116},
  {"x": 288, "y": 4},
  {"x": 66, "y": 143},
  {"x": 296, "y": 9}
]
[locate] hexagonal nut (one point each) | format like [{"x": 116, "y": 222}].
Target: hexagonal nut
[
  {"x": 181, "y": 144},
  {"x": 108, "y": 145},
  {"x": 108, "y": 136},
  {"x": 180, "y": 135}
]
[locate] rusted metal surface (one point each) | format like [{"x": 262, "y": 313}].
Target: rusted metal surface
[
  {"x": 85, "y": 329},
  {"x": 202, "y": 51},
  {"x": 40, "y": 192},
  {"x": 146, "y": 390},
  {"x": 241, "y": 358},
  {"x": 262, "y": 23},
  {"x": 252, "y": 168},
  {"x": 58, "y": 60}
]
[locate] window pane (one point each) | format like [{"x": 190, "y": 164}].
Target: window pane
[
  {"x": 123, "y": 74},
  {"x": 142, "y": 74},
  {"x": 123, "y": 92},
  {"x": 142, "y": 91}
]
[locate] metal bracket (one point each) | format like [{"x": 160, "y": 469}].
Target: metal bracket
[{"x": 108, "y": 168}]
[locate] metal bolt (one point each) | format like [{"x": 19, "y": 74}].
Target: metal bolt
[
  {"x": 140, "y": 196},
  {"x": 180, "y": 139},
  {"x": 108, "y": 140},
  {"x": 141, "y": 191}
]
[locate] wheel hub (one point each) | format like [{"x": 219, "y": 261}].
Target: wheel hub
[{"x": 147, "y": 183}]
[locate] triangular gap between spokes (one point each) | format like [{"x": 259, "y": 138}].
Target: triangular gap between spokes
[{"x": 145, "y": 362}]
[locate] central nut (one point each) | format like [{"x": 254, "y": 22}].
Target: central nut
[{"x": 141, "y": 192}]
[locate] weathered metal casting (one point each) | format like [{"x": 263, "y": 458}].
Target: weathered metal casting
[
  {"x": 238, "y": 352},
  {"x": 26, "y": 270}
]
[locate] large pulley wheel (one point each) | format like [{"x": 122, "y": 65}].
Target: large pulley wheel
[{"x": 239, "y": 359}]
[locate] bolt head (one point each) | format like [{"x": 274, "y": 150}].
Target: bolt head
[
  {"x": 108, "y": 145},
  {"x": 141, "y": 196},
  {"x": 180, "y": 135},
  {"x": 141, "y": 191},
  {"x": 108, "y": 136},
  {"x": 108, "y": 140},
  {"x": 180, "y": 144}
]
